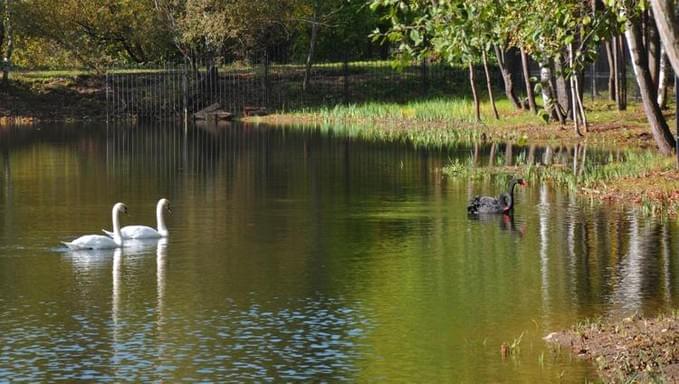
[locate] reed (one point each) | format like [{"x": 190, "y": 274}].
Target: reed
[{"x": 450, "y": 110}]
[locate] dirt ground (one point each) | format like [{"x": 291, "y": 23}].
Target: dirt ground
[
  {"x": 54, "y": 99},
  {"x": 632, "y": 350}
]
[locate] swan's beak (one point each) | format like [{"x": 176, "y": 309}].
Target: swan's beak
[{"x": 169, "y": 210}]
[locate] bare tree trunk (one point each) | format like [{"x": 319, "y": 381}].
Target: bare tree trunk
[
  {"x": 578, "y": 109},
  {"x": 489, "y": 85},
  {"x": 611, "y": 71},
  {"x": 574, "y": 97},
  {"x": 548, "y": 93},
  {"x": 562, "y": 88},
  {"x": 312, "y": 46},
  {"x": 666, "y": 20},
  {"x": 581, "y": 108},
  {"x": 620, "y": 73},
  {"x": 659, "y": 128},
  {"x": 653, "y": 45},
  {"x": 472, "y": 83},
  {"x": 526, "y": 76},
  {"x": 7, "y": 58},
  {"x": 507, "y": 77},
  {"x": 663, "y": 80}
]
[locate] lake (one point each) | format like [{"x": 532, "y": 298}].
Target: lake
[{"x": 303, "y": 255}]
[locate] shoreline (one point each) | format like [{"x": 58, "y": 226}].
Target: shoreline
[
  {"x": 652, "y": 187},
  {"x": 634, "y": 349}
]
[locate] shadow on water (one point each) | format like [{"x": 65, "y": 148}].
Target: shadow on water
[{"x": 304, "y": 255}]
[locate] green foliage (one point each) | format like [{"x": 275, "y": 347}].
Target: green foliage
[
  {"x": 456, "y": 30},
  {"x": 95, "y": 35}
]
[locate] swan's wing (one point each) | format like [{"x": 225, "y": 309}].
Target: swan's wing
[
  {"x": 487, "y": 200},
  {"x": 139, "y": 232},
  {"x": 484, "y": 204},
  {"x": 92, "y": 242},
  {"x": 504, "y": 199}
]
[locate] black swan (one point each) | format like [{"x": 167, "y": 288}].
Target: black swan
[{"x": 502, "y": 204}]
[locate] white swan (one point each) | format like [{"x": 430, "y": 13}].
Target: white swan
[
  {"x": 146, "y": 232},
  {"x": 100, "y": 241}
]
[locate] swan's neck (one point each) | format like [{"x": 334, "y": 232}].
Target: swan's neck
[
  {"x": 510, "y": 205},
  {"x": 162, "y": 228},
  {"x": 117, "y": 237}
]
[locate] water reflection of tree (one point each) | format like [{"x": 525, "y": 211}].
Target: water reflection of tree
[{"x": 603, "y": 258}]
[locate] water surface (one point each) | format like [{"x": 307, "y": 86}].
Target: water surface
[{"x": 303, "y": 255}]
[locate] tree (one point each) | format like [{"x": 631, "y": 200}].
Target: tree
[
  {"x": 663, "y": 79},
  {"x": 551, "y": 30},
  {"x": 455, "y": 31},
  {"x": 321, "y": 13},
  {"x": 630, "y": 11},
  {"x": 665, "y": 13},
  {"x": 659, "y": 128},
  {"x": 95, "y": 34},
  {"x": 6, "y": 38}
]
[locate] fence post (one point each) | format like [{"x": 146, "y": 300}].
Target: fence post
[
  {"x": 185, "y": 94},
  {"x": 265, "y": 61},
  {"x": 107, "y": 99},
  {"x": 425, "y": 78}
]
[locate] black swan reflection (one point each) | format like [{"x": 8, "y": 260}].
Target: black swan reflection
[{"x": 489, "y": 205}]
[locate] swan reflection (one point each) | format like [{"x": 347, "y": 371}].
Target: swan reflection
[{"x": 161, "y": 262}]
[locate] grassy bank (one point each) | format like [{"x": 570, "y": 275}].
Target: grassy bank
[
  {"x": 644, "y": 179},
  {"x": 434, "y": 117},
  {"x": 629, "y": 351}
]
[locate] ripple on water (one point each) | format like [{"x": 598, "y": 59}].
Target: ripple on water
[{"x": 301, "y": 340}]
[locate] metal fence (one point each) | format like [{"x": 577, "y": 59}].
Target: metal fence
[
  {"x": 176, "y": 91},
  {"x": 179, "y": 91}
]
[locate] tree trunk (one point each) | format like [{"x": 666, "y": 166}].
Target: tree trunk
[
  {"x": 508, "y": 154},
  {"x": 472, "y": 83},
  {"x": 548, "y": 93},
  {"x": 580, "y": 110},
  {"x": 663, "y": 80},
  {"x": 668, "y": 28},
  {"x": 659, "y": 128},
  {"x": 620, "y": 73},
  {"x": 2, "y": 25},
  {"x": 653, "y": 45},
  {"x": 526, "y": 76},
  {"x": 577, "y": 110},
  {"x": 562, "y": 88},
  {"x": 9, "y": 46},
  {"x": 489, "y": 85},
  {"x": 312, "y": 46},
  {"x": 506, "y": 77},
  {"x": 611, "y": 70}
]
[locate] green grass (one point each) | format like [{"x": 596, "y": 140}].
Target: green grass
[
  {"x": 590, "y": 178},
  {"x": 454, "y": 110},
  {"x": 419, "y": 136},
  {"x": 591, "y": 175}
]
